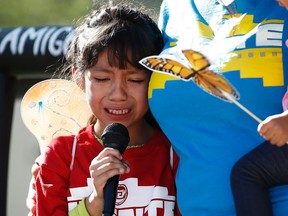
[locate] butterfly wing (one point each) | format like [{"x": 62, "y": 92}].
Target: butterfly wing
[
  {"x": 197, "y": 60},
  {"x": 166, "y": 65},
  {"x": 214, "y": 84},
  {"x": 210, "y": 81}
]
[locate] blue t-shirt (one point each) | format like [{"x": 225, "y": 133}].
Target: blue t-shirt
[{"x": 209, "y": 134}]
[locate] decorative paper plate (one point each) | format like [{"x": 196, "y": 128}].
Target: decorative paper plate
[{"x": 52, "y": 108}]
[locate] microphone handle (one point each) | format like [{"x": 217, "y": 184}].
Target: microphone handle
[{"x": 110, "y": 195}]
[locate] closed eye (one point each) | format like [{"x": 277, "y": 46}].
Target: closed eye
[
  {"x": 101, "y": 79},
  {"x": 136, "y": 80}
]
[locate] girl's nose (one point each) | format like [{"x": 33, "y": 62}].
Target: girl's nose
[{"x": 118, "y": 91}]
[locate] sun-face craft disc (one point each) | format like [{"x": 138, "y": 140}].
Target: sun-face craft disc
[{"x": 52, "y": 108}]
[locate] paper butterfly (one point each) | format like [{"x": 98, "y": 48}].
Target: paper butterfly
[{"x": 195, "y": 68}]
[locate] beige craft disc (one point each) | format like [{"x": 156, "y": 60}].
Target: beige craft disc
[{"x": 52, "y": 108}]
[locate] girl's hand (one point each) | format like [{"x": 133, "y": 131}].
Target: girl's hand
[
  {"x": 106, "y": 165},
  {"x": 275, "y": 129}
]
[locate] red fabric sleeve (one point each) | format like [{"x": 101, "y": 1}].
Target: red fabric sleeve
[{"x": 52, "y": 181}]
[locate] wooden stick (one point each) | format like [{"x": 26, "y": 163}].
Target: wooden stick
[{"x": 229, "y": 97}]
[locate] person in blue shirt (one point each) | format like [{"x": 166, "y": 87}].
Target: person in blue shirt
[
  {"x": 264, "y": 167},
  {"x": 244, "y": 41}
]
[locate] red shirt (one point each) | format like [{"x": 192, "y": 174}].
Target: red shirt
[{"x": 148, "y": 189}]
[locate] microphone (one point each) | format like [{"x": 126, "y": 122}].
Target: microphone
[{"x": 115, "y": 136}]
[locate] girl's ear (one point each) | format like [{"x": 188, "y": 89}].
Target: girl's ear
[
  {"x": 78, "y": 78},
  {"x": 73, "y": 70}
]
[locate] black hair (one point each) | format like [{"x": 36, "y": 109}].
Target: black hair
[
  {"x": 122, "y": 30},
  {"x": 128, "y": 35}
]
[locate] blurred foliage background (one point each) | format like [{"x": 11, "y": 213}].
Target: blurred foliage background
[{"x": 14, "y": 13}]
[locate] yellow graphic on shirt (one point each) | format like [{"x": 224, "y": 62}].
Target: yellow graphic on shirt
[
  {"x": 245, "y": 25},
  {"x": 159, "y": 79},
  {"x": 158, "y": 82},
  {"x": 264, "y": 63}
]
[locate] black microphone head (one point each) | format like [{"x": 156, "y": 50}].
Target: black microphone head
[{"x": 116, "y": 136}]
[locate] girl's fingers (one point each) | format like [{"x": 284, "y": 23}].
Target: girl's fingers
[
  {"x": 106, "y": 165},
  {"x": 107, "y": 168},
  {"x": 109, "y": 151},
  {"x": 107, "y": 160}
]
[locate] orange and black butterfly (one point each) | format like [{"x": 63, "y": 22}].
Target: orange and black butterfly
[{"x": 196, "y": 70}]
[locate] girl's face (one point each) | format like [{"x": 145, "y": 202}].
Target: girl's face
[{"x": 116, "y": 95}]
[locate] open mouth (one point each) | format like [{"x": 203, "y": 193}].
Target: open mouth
[{"x": 118, "y": 111}]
